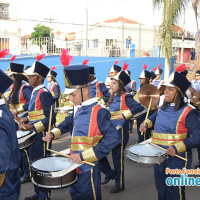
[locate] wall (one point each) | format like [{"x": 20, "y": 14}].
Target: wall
[{"x": 102, "y": 65}]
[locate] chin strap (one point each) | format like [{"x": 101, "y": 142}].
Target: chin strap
[
  {"x": 82, "y": 95},
  {"x": 36, "y": 81}
]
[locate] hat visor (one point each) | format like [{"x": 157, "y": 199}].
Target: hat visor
[
  {"x": 168, "y": 84},
  {"x": 70, "y": 90}
]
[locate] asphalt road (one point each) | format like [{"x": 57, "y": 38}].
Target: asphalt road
[{"x": 139, "y": 180}]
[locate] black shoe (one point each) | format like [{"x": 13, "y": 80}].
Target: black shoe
[
  {"x": 34, "y": 197},
  {"x": 115, "y": 190},
  {"x": 25, "y": 180},
  {"x": 106, "y": 180}
]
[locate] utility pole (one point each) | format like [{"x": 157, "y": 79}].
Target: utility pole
[
  {"x": 86, "y": 28},
  {"x": 183, "y": 37}
]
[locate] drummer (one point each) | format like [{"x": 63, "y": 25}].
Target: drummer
[
  {"x": 53, "y": 86},
  {"x": 19, "y": 101},
  {"x": 93, "y": 134},
  {"x": 122, "y": 107},
  {"x": 9, "y": 151},
  {"x": 177, "y": 136},
  {"x": 98, "y": 89},
  {"x": 144, "y": 77},
  {"x": 38, "y": 116}
]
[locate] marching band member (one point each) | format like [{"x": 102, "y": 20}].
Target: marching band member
[
  {"x": 115, "y": 69},
  {"x": 18, "y": 103},
  {"x": 177, "y": 136},
  {"x": 157, "y": 81},
  {"x": 53, "y": 86},
  {"x": 93, "y": 135},
  {"x": 98, "y": 89},
  {"x": 122, "y": 107},
  {"x": 9, "y": 148},
  {"x": 196, "y": 82},
  {"x": 144, "y": 77},
  {"x": 38, "y": 116}
]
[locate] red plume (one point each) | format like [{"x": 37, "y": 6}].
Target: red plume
[
  {"x": 85, "y": 62},
  {"x": 116, "y": 62},
  {"x": 54, "y": 67},
  {"x": 125, "y": 67},
  {"x": 39, "y": 57},
  {"x": 145, "y": 67},
  {"x": 65, "y": 57},
  {"x": 154, "y": 69},
  {"x": 4, "y": 53},
  {"x": 159, "y": 66},
  {"x": 181, "y": 68},
  {"x": 13, "y": 58}
]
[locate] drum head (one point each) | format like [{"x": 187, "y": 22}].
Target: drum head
[
  {"x": 145, "y": 150},
  {"x": 22, "y": 133},
  {"x": 52, "y": 164}
]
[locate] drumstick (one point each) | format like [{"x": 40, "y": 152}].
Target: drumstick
[
  {"x": 149, "y": 107},
  {"x": 185, "y": 159},
  {"x": 19, "y": 124},
  {"x": 49, "y": 129},
  {"x": 65, "y": 155}
]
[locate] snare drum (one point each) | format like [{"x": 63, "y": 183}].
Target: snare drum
[
  {"x": 25, "y": 138},
  {"x": 50, "y": 172},
  {"x": 146, "y": 154},
  {"x": 64, "y": 109}
]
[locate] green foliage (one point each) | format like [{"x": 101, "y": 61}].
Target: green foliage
[{"x": 40, "y": 31}]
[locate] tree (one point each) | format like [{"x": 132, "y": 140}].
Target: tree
[
  {"x": 172, "y": 9},
  {"x": 40, "y": 31}
]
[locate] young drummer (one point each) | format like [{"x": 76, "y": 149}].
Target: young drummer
[
  {"x": 38, "y": 117},
  {"x": 177, "y": 136},
  {"x": 93, "y": 135},
  {"x": 122, "y": 107}
]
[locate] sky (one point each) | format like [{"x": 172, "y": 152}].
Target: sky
[{"x": 73, "y": 12}]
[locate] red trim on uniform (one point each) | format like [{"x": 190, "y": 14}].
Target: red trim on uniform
[
  {"x": 52, "y": 89},
  {"x": 123, "y": 105},
  {"x": 94, "y": 129},
  {"x": 22, "y": 100},
  {"x": 181, "y": 128},
  {"x": 38, "y": 104},
  {"x": 98, "y": 91},
  {"x": 168, "y": 139}
]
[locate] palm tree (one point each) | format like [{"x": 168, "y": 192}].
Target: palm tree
[{"x": 172, "y": 9}]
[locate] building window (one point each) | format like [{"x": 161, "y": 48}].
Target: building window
[
  {"x": 4, "y": 11},
  {"x": 109, "y": 43},
  {"x": 95, "y": 42},
  {"x": 4, "y": 43}
]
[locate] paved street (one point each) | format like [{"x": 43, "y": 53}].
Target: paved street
[{"x": 139, "y": 180}]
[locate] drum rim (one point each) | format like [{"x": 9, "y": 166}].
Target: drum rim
[
  {"x": 162, "y": 155},
  {"x": 25, "y": 135},
  {"x": 45, "y": 172}
]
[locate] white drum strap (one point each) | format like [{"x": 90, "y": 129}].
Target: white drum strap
[{"x": 21, "y": 140}]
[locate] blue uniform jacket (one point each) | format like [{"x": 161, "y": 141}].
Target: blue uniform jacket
[
  {"x": 9, "y": 153},
  {"x": 125, "y": 105},
  {"x": 39, "y": 109},
  {"x": 93, "y": 134},
  {"x": 196, "y": 85},
  {"x": 23, "y": 98},
  {"x": 177, "y": 128}
]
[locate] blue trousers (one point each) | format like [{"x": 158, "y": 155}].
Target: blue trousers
[
  {"x": 88, "y": 185},
  {"x": 24, "y": 164},
  {"x": 118, "y": 161},
  {"x": 11, "y": 197},
  {"x": 198, "y": 153},
  {"x": 38, "y": 150},
  {"x": 171, "y": 192}
]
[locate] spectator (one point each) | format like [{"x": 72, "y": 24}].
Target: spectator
[
  {"x": 192, "y": 55},
  {"x": 128, "y": 42}
]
